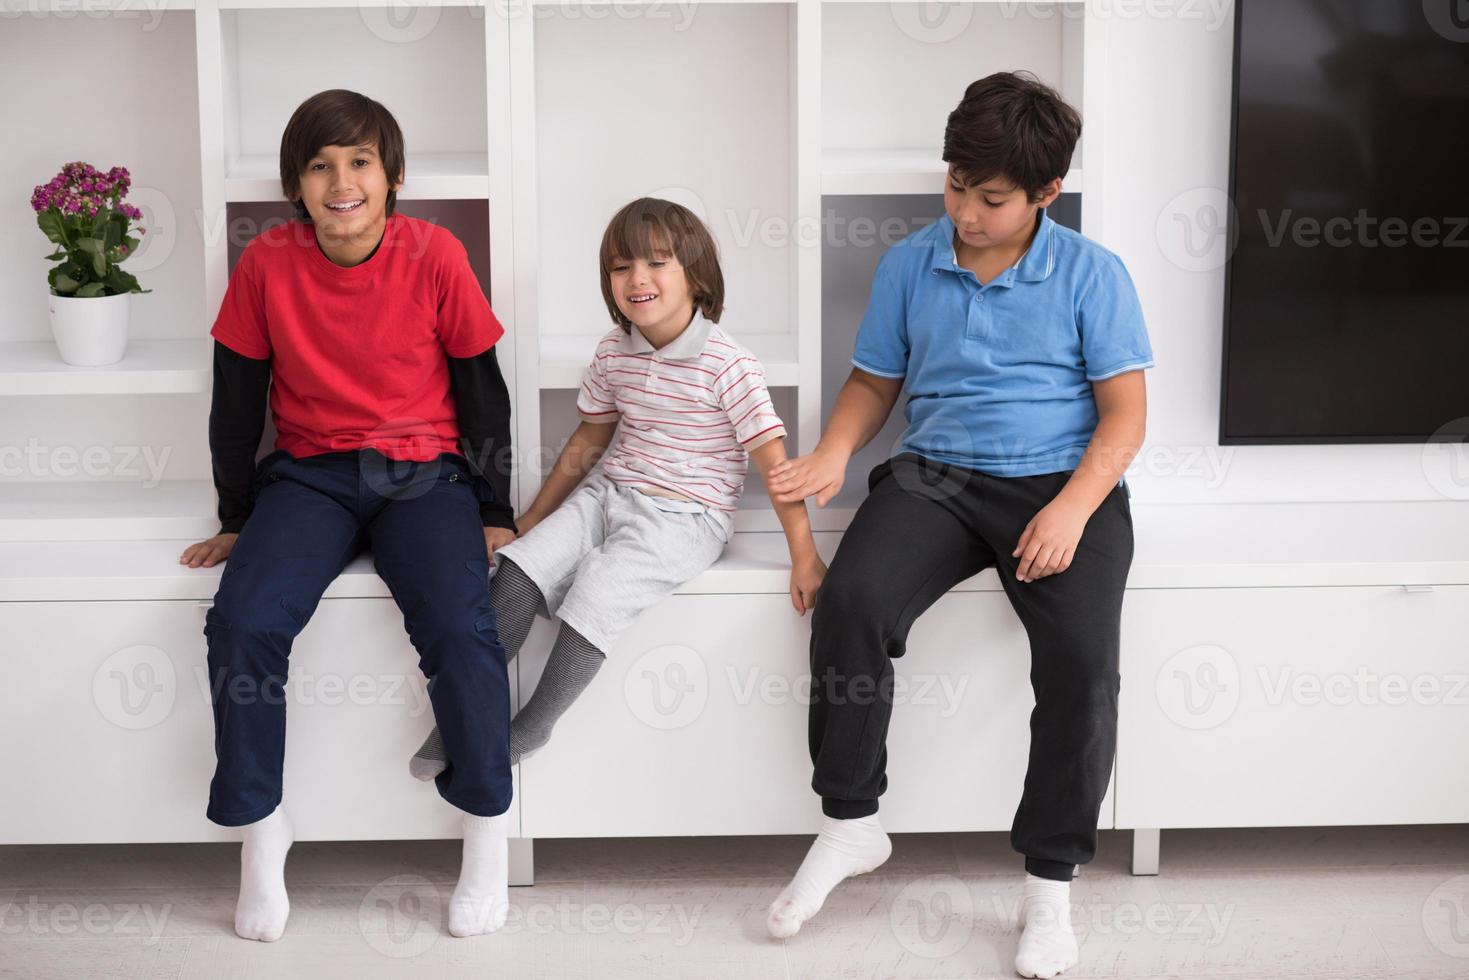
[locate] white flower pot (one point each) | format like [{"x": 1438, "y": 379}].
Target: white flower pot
[{"x": 90, "y": 331}]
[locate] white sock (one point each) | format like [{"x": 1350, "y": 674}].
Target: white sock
[
  {"x": 1047, "y": 944},
  {"x": 262, "y": 908},
  {"x": 843, "y": 848},
  {"x": 481, "y": 900}
]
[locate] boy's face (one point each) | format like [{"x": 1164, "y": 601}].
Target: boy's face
[
  {"x": 995, "y": 212},
  {"x": 351, "y": 176},
  {"x": 653, "y": 292}
]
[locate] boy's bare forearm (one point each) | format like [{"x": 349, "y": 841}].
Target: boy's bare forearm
[
  {"x": 793, "y": 517},
  {"x": 857, "y": 416},
  {"x": 576, "y": 459},
  {"x": 1122, "y": 421},
  {"x": 1113, "y": 445}
]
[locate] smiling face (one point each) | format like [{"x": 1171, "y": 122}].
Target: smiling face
[
  {"x": 653, "y": 292},
  {"x": 994, "y": 212},
  {"x": 345, "y": 190}
]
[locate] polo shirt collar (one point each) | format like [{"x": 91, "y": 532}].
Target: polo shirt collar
[
  {"x": 1035, "y": 265},
  {"x": 686, "y": 346}
]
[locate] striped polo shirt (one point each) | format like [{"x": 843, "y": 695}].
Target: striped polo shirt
[{"x": 691, "y": 413}]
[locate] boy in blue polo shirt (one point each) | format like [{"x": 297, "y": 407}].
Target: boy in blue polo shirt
[{"x": 1021, "y": 346}]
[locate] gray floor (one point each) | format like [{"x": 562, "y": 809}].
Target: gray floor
[{"x": 1322, "y": 903}]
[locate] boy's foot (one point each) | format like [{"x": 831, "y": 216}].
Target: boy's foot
[
  {"x": 1047, "y": 944},
  {"x": 844, "y": 848},
  {"x": 481, "y": 900},
  {"x": 263, "y": 907},
  {"x": 429, "y": 760}
]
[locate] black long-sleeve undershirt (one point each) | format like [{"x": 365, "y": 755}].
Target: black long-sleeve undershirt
[
  {"x": 237, "y": 420},
  {"x": 483, "y": 405}
]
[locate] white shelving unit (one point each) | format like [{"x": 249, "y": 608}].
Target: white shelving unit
[{"x": 525, "y": 132}]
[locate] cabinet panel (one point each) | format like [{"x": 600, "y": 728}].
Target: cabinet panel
[
  {"x": 1293, "y": 707},
  {"x": 110, "y": 706},
  {"x": 697, "y": 725}
]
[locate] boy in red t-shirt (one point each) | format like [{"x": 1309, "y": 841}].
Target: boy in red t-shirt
[{"x": 377, "y": 346}]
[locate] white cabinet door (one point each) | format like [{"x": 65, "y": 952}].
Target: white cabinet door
[
  {"x": 697, "y": 725},
  {"x": 112, "y": 735},
  {"x": 1294, "y": 707}
]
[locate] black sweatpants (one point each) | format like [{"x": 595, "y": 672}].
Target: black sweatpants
[{"x": 924, "y": 527}]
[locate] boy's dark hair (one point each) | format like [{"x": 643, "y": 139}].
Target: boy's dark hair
[
  {"x": 649, "y": 225},
  {"x": 338, "y": 117},
  {"x": 1013, "y": 126}
]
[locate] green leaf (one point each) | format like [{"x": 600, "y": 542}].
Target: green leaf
[
  {"x": 64, "y": 285},
  {"x": 99, "y": 221},
  {"x": 92, "y": 289},
  {"x": 50, "y": 222},
  {"x": 58, "y": 255},
  {"x": 121, "y": 281},
  {"x": 114, "y": 233}
]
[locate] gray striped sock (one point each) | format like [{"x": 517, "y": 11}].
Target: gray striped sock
[
  {"x": 516, "y": 599},
  {"x": 570, "y": 668}
]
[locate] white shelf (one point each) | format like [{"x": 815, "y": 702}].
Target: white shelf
[
  {"x": 1178, "y": 547},
  {"x": 150, "y": 367},
  {"x": 107, "y": 511},
  {"x": 909, "y": 171},
  {"x": 563, "y": 358},
  {"x": 428, "y": 176}
]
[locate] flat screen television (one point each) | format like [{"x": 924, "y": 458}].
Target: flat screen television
[{"x": 1347, "y": 288}]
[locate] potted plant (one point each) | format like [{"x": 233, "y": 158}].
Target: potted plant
[{"x": 82, "y": 212}]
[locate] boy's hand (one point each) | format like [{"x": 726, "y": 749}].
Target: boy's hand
[
  {"x": 1049, "y": 541},
  {"x": 208, "y": 553},
  {"x": 821, "y": 473},
  {"x": 806, "y": 576},
  {"x": 497, "y": 537}
]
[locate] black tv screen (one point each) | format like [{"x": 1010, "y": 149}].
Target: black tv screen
[{"x": 1347, "y": 291}]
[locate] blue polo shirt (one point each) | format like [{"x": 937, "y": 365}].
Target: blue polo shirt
[{"x": 999, "y": 375}]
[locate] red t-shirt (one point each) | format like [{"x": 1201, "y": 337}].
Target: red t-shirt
[{"x": 358, "y": 354}]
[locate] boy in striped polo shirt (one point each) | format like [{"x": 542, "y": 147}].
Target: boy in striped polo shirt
[{"x": 692, "y": 409}]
